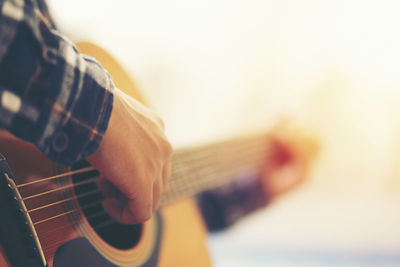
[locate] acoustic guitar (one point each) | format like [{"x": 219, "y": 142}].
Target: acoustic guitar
[{"x": 51, "y": 215}]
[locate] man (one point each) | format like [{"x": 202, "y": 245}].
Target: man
[{"x": 66, "y": 104}]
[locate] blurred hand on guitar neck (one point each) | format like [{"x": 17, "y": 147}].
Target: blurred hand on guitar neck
[{"x": 288, "y": 163}]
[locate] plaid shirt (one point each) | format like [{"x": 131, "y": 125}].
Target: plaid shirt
[{"x": 50, "y": 94}]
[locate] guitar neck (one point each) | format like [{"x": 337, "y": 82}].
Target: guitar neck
[{"x": 202, "y": 168}]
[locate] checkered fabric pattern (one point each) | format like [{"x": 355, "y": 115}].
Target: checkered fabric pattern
[{"x": 50, "y": 94}]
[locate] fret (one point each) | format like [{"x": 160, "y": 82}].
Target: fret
[{"x": 201, "y": 168}]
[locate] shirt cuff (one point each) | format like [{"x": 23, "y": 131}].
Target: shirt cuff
[
  {"x": 51, "y": 95},
  {"x": 80, "y": 131}
]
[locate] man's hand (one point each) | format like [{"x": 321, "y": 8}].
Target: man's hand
[
  {"x": 292, "y": 152},
  {"x": 133, "y": 160}
]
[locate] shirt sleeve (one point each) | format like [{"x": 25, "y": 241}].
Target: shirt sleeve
[
  {"x": 225, "y": 205},
  {"x": 50, "y": 94}
]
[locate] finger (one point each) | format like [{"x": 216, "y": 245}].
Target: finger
[
  {"x": 166, "y": 173},
  {"x": 122, "y": 211},
  {"x": 141, "y": 203},
  {"x": 127, "y": 202},
  {"x": 116, "y": 209},
  {"x": 159, "y": 121},
  {"x": 108, "y": 189},
  {"x": 157, "y": 192}
]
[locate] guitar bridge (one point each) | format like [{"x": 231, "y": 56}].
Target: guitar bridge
[{"x": 17, "y": 234}]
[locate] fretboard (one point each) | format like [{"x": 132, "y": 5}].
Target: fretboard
[{"x": 201, "y": 168}]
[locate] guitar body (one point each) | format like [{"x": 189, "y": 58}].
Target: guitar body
[
  {"x": 184, "y": 237},
  {"x": 175, "y": 236}
]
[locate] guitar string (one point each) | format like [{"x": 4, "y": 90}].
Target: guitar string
[
  {"x": 74, "y": 197},
  {"x": 87, "y": 169},
  {"x": 65, "y": 213},
  {"x": 43, "y": 234},
  {"x": 193, "y": 158},
  {"x": 48, "y": 248},
  {"x": 81, "y": 183},
  {"x": 210, "y": 163},
  {"x": 211, "y": 147},
  {"x": 63, "y": 187},
  {"x": 82, "y": 170},
  {"x": 83, "y": 207},
  {"x": 60, "y": 188},
  {"x": 100, "y": 225},
  {"x": 252, "y": 159},
  {"x": 70, "y": 199}
]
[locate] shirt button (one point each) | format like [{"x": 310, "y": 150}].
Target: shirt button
[{"x": 60, "y": 142}]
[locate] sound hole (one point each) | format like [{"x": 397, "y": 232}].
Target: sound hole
[{"x": 121, "y": 236}]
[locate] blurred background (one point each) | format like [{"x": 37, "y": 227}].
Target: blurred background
[{"x": 214, "y": 69}]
